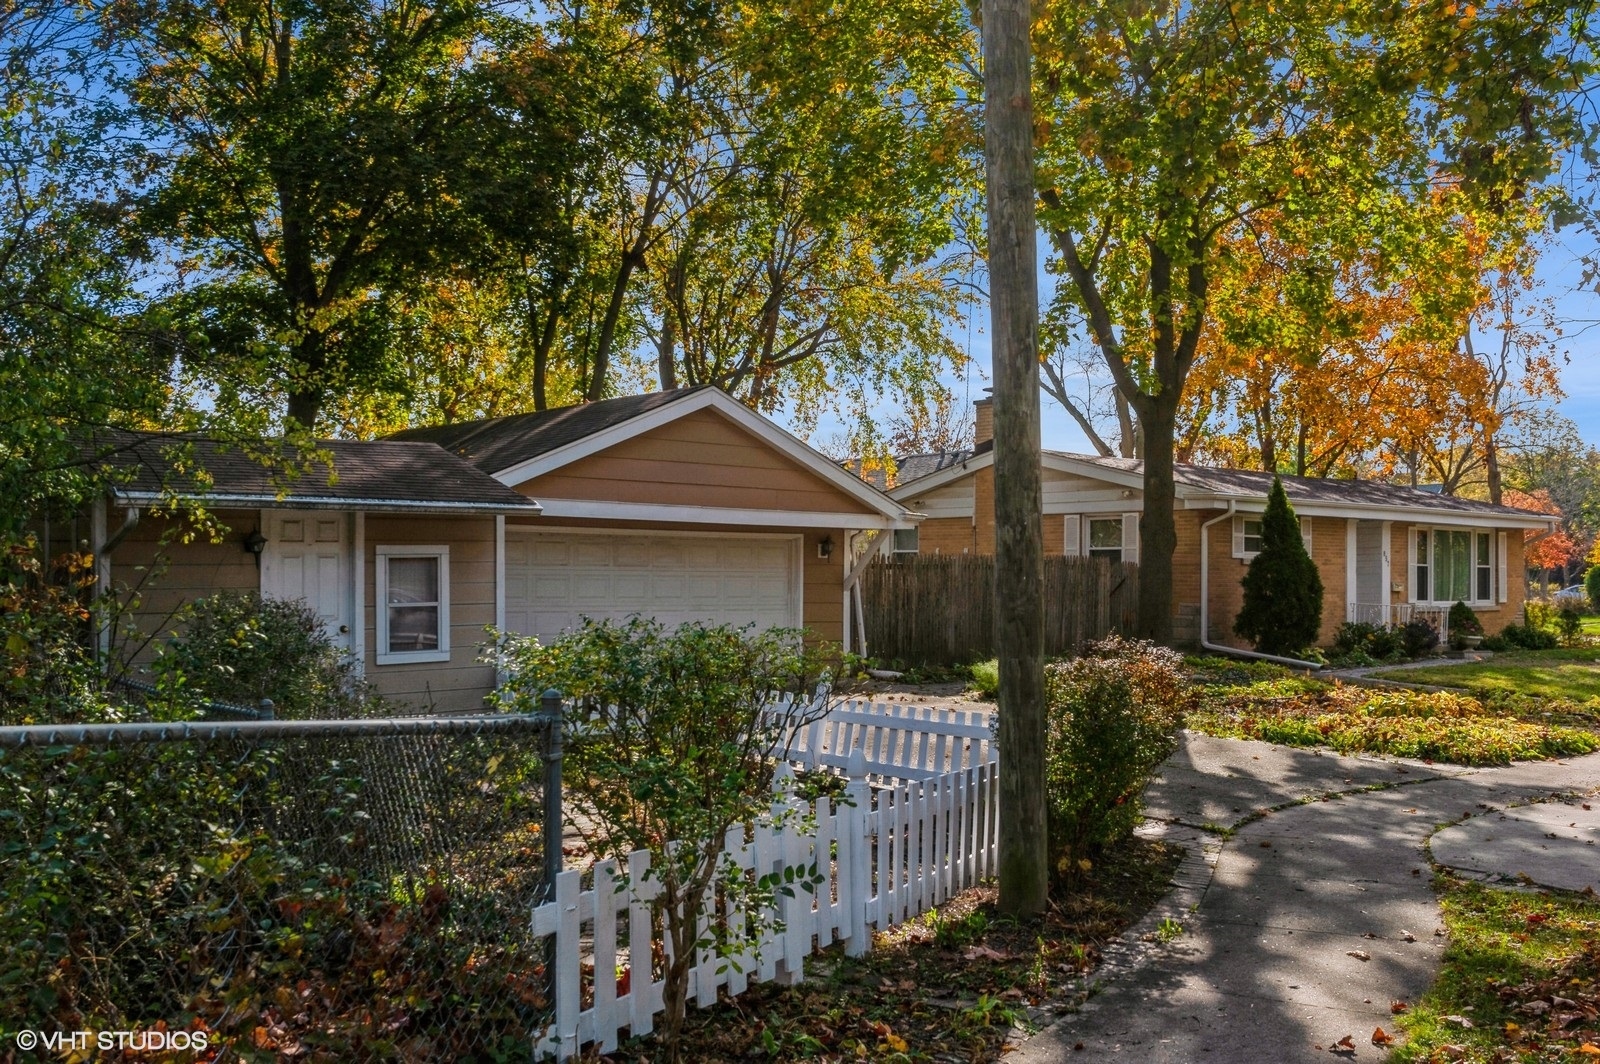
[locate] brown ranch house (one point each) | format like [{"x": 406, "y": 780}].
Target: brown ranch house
[
  {"x": 1387, "y": 553},
  {"x": 680, "y": 505}
]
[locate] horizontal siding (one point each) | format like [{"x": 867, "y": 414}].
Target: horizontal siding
[
  {"x": 699, "y": 460},
  {"x": 953, "y": 500},
  {"x": 161, "y": 576},
  {"x": 822, "y": 606},
  {"x": 460, "y": 684}
]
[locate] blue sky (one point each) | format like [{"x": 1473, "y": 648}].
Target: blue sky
[{"x": 1559, "y": 274}]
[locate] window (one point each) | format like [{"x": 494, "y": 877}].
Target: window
[
  {"x": 1485, "y": 569},
  {"x": 1105, "y": 538},
  {"x": 413, "y": 604},
  {"x": 905, "y": 540},
  {"x": 1421, "y": 548},
  {"x": 1252, "y": 535},
  {"x": 1452, "y": 565},
  {"x": 1247, "y": 536}
]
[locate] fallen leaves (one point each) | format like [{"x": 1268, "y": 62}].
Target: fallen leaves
[
  {"x": 1358, "y": 954},
  {"x": 1397, "y": 1006},
  {"x": 1380, "y": 1037}
]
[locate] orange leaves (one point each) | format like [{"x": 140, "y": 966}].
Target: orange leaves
[{"x": 1382, "y": 1038}]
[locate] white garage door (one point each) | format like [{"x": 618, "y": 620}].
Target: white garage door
[{"x": 555, "y": 579}]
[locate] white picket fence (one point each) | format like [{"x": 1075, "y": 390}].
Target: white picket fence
[{"x": 896, "y": 851}]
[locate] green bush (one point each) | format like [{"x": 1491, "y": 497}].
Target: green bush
[
  {"x": 1282, "y": 611},
  {"x": 1417, "y": 637},
  {"x": 1359, "y": 643},
  {"x": 1591, "y": 586},
  {"x": 986, "y": 677},
  {"x": 1569, "y": 623},
  {"x": 1540, "y": 616},
  {"x": 1462, "y": 621},
  {"x": 1522, "y": 637},
  {"x": 50, "y": 675},
  {"x": 678, "y": 751},
  {"x": 1114, "y": 717},
  {"x": 237, "y": 647}
]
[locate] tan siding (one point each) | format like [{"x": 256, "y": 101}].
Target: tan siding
[
  {"x": 822, "y": 580},
  {"x": 460, "y": 684},
  {"x": 160, "y": 577},
  {"x": 701, "y": 459},
  {"x": 945, "y": 535}
]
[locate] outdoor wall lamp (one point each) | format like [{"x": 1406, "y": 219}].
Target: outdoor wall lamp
[
  {"x": 255, "y": 543},
  {"x": 825, "y": 548}
]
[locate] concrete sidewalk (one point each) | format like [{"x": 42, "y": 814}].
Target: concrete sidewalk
[{"x": 1317, "y": 914}]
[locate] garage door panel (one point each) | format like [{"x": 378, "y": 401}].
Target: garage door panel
[{"x": 553, "y": 580}]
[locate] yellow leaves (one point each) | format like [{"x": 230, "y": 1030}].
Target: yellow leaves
[{"x": 896, "y": 1043}]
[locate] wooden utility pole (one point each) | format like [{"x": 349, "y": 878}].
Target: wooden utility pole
[{"x": 1019, "y": 538}]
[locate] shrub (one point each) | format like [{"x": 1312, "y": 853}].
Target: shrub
[
  {"x": 1569, "y": 623},
  {"x": 1462, "y": 621},
  {"x": 1523, "y": 637},
  {"x": 986, "y": 677},
  {"x": 680, "y": 753},
  {"x": 1282, "y": 610},
  {"x": 1114, "y": 717},
  {"x": 50, "y": 675},
  {"x": 1353, "y": 636},
  {"x": 237, "y": 647},
  {"x": 1417, "y": 637},
  {"x": 1360, "y": 643},
  {"x": 1591, "y": 586},
  {"x": 1540, "y": 616}
]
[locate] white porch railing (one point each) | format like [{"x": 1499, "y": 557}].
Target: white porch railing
[
  {"x": 1387, "y": 613},
  {"x": 886, "y": 854}
]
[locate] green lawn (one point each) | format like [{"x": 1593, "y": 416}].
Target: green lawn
[
  {"x": 1573, "y": 673},
  {"x": 1521, "y": 968}
]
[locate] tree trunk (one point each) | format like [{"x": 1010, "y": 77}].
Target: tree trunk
[
  {"x": 1491, "y": 467},
  {"x": 1019, "y": 537},
  {"x": 305, "y": 394},
  {"x": 1158, "y": 536},
  {"x": 667, "y": 354}
]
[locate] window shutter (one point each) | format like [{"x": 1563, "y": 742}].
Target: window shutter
[
  {"x": 1411, "y": 564},
  {"x": 1305, "y": 532},
  {"x": 1500, "y": 573},
  {"x": 1130, "y": 537},
  {"x": 1238, "y": 536},
  {"x": 1072, "y": 544}
]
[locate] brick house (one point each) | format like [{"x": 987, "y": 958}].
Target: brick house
[{"x": 1386, "y": 552}]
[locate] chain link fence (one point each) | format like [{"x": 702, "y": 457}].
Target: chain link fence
[{"x": 354, "y": 890}]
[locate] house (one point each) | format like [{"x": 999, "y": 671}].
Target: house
[
  {"x": 1387, "y": 553},
  {"x": 680, "y": 505}
]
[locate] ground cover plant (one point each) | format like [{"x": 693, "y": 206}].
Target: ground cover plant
[
  {"x": 949, "y": 986},
  {"x": 1522, "y": 969},
  {"x": 1301, "y": 710},
  {"x": 1568, "y": 673}
]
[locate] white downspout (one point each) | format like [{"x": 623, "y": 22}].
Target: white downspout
[{"x": 1205, "y": 603}]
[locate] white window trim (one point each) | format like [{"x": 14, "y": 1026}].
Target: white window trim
[
  {"x": 383, "y": 553},
  {"x": 1496, "y": 572},
  {"x": 1305, "y": 524},
  {"x": 894, "y": 538}
]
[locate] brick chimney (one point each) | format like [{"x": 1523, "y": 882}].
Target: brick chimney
[{"x": 982, "y": 420}]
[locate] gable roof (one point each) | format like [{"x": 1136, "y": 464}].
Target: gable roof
[
  {"x": 375, "y": 475},
  {"x": 521, "y": 447},
  {"x": 498, "y": 444},
  {"x": 1202, "y": 487}
]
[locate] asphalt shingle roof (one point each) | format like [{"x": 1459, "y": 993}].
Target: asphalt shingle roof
[
  {"x": 499, "y": 443},
  {"x": 373, "y": 474},
  {"x": 1253, "y": 483}
]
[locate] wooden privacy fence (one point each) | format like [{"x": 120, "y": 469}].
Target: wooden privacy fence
[
  {"x": 938, "y": 609},
  {"x": 884, "y": 854}
]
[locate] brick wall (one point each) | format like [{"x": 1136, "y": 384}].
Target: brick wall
[{"x": 945, "y": 535}]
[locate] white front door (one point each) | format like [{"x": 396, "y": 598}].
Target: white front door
[
  {"x": 554, "y": 579},
  {"x": 308, "y": 557}
]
